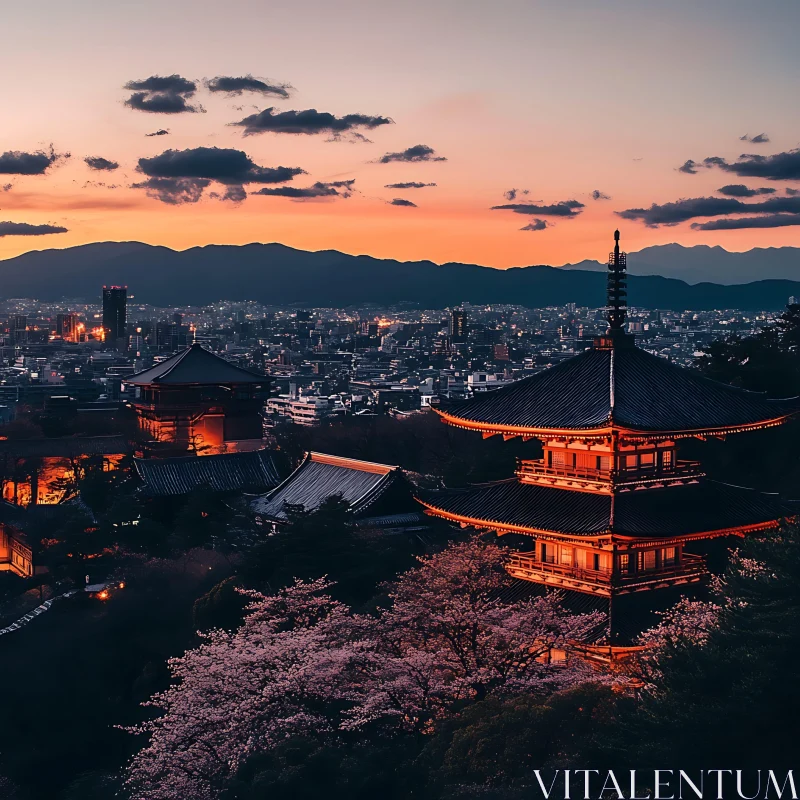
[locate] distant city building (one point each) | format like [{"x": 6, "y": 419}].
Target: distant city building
[
  {"x": 501, "y": 352},
  {"x": 67, "y": 327},
  {"x": 115, "y": 313},
  {"x": 18, "y": 328},
  {"x": 458, "y": 325},
  {"x": 306, "y": 411}
]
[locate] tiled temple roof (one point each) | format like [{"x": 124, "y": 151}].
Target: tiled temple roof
[
  {"x": 621, "y": 387},
  {"x": 195, "y": 365},
  {"x": 690, "y": 510},
  {"x": 320, "y": 476},
  {"x": 254, "y": 471}
]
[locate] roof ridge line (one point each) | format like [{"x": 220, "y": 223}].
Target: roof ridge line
[
  {"x": 611, "y": 386},
  {"x": 178, "y": 358}
]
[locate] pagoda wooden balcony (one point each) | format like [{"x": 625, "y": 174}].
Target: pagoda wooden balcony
[
  {"x": 606, "y": 582},
  {"x": 538, "y": 471}
]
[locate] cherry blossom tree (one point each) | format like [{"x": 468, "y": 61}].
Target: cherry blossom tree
[
  {"x": 305, "y": 664},
  {"x": 449, "y": 636},
  {"x": 240, "y": 692}
]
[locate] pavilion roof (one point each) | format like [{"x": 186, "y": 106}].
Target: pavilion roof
[
  {"x": 623, "y": 388},
  {"x": 691, "y": 510},
  {"x": 226, "y": 472},
  {"x": 195, "y": 365},
  {"x": 320, "y": 476}
]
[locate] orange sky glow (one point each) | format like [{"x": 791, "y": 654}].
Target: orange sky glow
[{"x": 515, "y": 95}]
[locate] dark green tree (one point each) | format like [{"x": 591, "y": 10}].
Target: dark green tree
[{"x": 734, "y": 698}]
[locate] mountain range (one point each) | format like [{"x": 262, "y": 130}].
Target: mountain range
[
  {"x": 274, "y": 274},
  {"x": 701, "y": 264}
]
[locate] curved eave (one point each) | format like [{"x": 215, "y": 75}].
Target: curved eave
[
  {"x": 491, "y": 429},
  {"x": 505, "y": 526},
  {"x": 474, "y": 522},
  {"x": 602, "y": 432},
  {"x": 167, "y": 383}
]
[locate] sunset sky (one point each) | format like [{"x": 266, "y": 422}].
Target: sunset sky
[{"x": 554, "y": 100}]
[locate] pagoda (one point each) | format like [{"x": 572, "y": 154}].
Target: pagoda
[
  {"x": 610, "y": 508},
  {"x": 197, "y": 401}
]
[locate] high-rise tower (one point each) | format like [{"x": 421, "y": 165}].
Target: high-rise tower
[{"x": 115, "y": 302}]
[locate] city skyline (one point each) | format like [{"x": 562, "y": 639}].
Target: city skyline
[{"x": 552, "y": 119}]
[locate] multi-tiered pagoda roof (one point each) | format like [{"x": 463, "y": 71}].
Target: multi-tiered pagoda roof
[
  {"x": 610, "y": 506},
  {"x": 621, "y": 388}
]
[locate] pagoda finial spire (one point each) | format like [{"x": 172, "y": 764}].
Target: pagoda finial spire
[{"x": 617, "y": 288}]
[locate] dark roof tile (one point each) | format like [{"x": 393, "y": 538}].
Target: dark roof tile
[
  {"x": 195, "y": 365},
  {"x": 624, "y": 386},
  {"x": 694, "y": 508},
  {"x": 320, "y": 476},
  {"x": 226, "y": 472}
]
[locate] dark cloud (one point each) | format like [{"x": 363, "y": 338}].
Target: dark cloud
[
  {"x": 740, "y": 190},
  {"x": 310, "y": 121},
  {"x": 160, "y": 132},
  {"x": 164, "y": 83},
  {"x": 180, "y": 176},
  {"x": 761, "y": 138},
  {"x": 777, "y": 167},
  {"x": 161, "y": 103},
  {"x": 235, "y": 194},
  {"x": 246, "y": 83},
  {"x": 102, "y": 164},
  {"x": 683, "y": 210},
  {"x": 419, "y": 152},
  {"x": 333, "y": 189},
  {"x": 175, "y": 191},
  {"x": 408, "y": 185},
  {"x": 598, "y": 195},
  {"x": 7, "y": 187},
  {"x": 225, "y": 165},
  {"x": 26, "y": 229},
  {"x": 398, "y": 201},
  {"x": 510, "y": 195},
  {"x": 535, "y": 225},
  {"x": 566, "y": 208},
  {"x": 162, "y": 94},
  {"x": 16, "y": 162},
  {"x": 790, "y": 192},
  {"x": 689, "y": 167},
  {"x": 771, "y": 221}
]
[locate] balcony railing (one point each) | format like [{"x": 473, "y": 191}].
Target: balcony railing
[
  {"x": 529, "y": 568},
  {"x": 540, "y": 469}
]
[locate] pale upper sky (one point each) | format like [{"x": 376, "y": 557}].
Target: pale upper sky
[{"x": 559, "y": 99}]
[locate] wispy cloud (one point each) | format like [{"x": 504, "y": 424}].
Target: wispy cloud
[
  {"x": 233, "y": 87},
  {"x": 308, "y": 122},
  {"x": 26, "y": 229},
  {"x": 418, "y": 152},
  {"x": 100, "y": 164}
]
